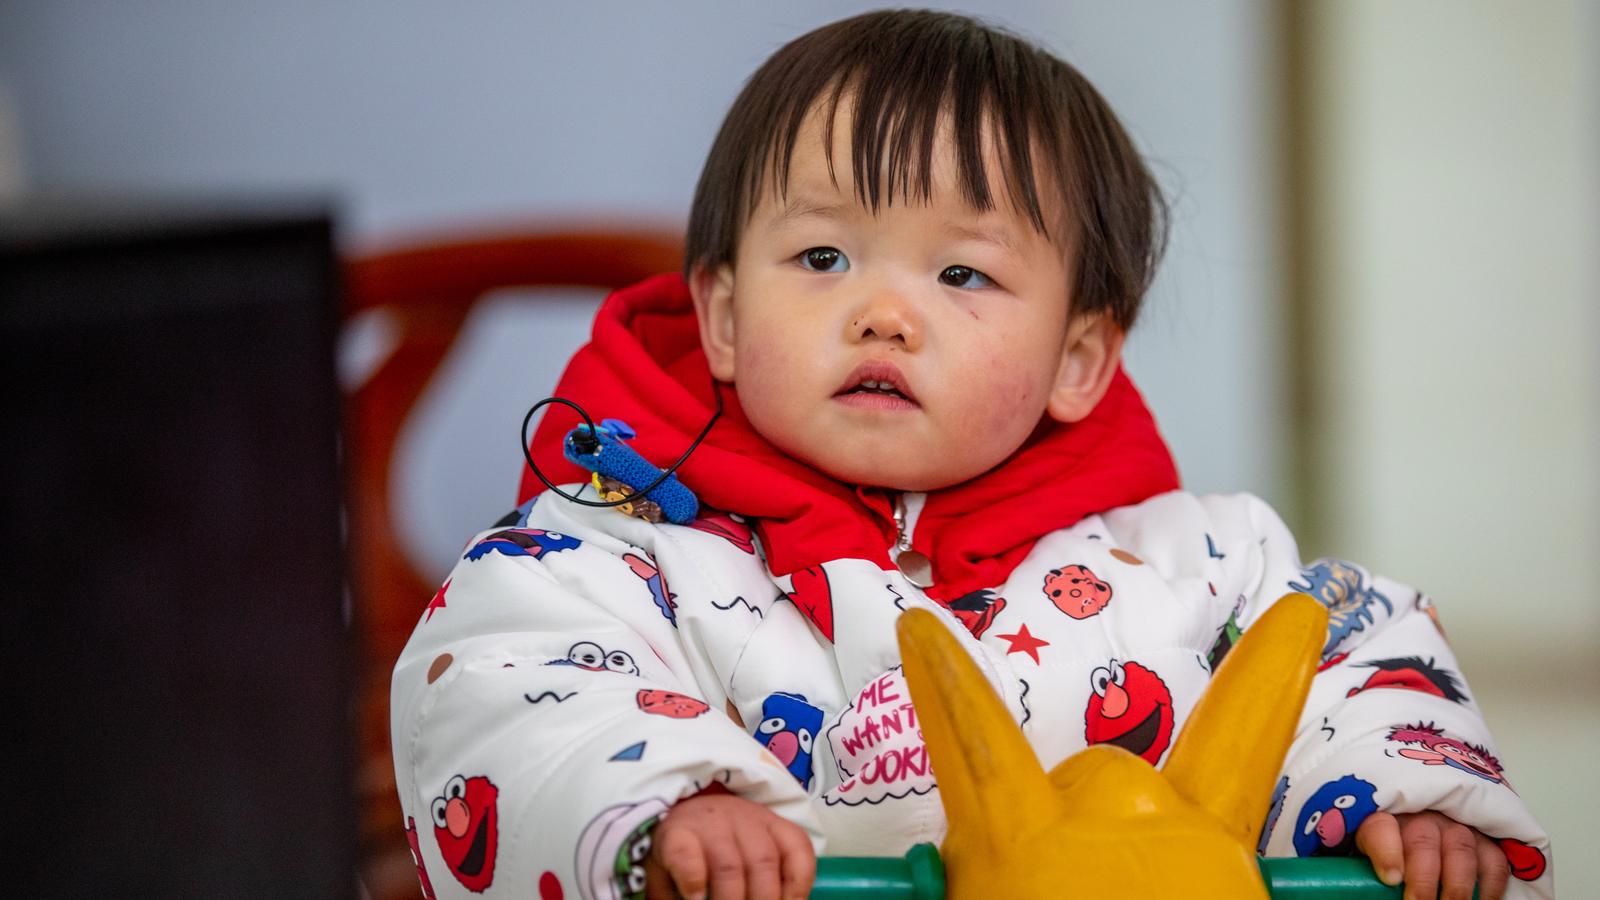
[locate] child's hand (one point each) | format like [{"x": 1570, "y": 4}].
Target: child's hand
[
  {"x": 731, "y": 846},
  {"x": 1439, "y": 855}
]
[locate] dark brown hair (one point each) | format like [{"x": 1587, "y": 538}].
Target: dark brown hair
[{"x": 906, "y": 68}]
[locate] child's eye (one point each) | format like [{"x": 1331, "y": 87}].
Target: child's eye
[
  {"x": 824, "y": 259},
  {"x": 964, "y": 277}
]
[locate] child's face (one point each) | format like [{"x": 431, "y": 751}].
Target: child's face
[{"x": 912, "y": 349}]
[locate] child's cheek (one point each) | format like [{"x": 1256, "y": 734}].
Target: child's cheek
[
  {"x": 1002, "y": 404},
  {"x": 763, "y": 362}
]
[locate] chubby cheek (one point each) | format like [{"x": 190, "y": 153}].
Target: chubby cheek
[
  {"x": 1000, "y": 405},
  {"x": 769, "y": 376}
]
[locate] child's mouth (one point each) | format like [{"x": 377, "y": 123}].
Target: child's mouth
[
  {"x": 876, "y": 385},
  {"x": 882, "y": 388}
]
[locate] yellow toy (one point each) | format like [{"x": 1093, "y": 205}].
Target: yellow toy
[{"x": 1105, "y": 823}]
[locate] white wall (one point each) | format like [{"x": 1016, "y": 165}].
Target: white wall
[
  {"x": 417, "y": 115},
  {"x": 1457, "y": 308}
]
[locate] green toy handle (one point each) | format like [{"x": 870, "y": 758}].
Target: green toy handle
[{"x": 919, "y": 875}]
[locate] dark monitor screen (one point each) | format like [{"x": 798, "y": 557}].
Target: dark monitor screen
[{"x": 179, "y": 722}]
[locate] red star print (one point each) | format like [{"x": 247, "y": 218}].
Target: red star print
[
  {"x": 1023, "y": 642},
  {"x": 437, "y": 602}
]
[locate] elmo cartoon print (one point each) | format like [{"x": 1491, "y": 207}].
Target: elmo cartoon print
[
  {"x": 1410, "y": 673},
  {"x": 1329, "y": 819},
  {"x": 671, "y": 704},
  {"x": 534, "y": 542},
  {"x": 1077, "y": 591},
  {"x": 810, "y": 592},
  {"x": 466, "y": 828},
  {"x": 1438, "y": 749},
  {"x": 1131, "y": 708}
]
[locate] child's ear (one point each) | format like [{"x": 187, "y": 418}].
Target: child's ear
[
  {"x": 712, "y": 288},
  {"x": 1089, "y": 360}
]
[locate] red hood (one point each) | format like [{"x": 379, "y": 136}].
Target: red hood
[{"x": 644, "y": 366}]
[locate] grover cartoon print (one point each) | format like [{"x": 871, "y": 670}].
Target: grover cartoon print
[
  {"x": 1328, "y": 821},
  {"x": 789, "y": 726}
]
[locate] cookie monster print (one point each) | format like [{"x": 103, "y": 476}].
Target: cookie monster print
[
  {"x": 1439, "y": 749},
  {"x": 666, "y": 601},
  {"x": 1273, "y": 813},
  {"x": 1412, "y": 674},
  {"x": 1077, "y": 591},
  {"x": 466, "y": 826},
  {"x": 789, "y": 726},
  {"x": 1329, "y": 819},
  {"x": 1343, "y": 589},
  {"x": 1131, "y": 707},
  {"x": 534, "y": 542}
]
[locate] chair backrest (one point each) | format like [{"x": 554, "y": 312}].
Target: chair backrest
[{"x": 428, "y": 289}]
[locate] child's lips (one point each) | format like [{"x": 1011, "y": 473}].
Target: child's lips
[
  {"x": 869, "y": 400},
  {"x": 877, "y": 384}
]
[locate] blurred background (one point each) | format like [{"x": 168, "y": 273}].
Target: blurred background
[{"x": 1378, "y": 309}]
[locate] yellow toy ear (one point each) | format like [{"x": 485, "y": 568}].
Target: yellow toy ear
[
  {"x": 1226, "y": 759},
  {"x": 986, "y": 770},
  {"x": 1104, "y": 822}
]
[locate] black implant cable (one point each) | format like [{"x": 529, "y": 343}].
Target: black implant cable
[{"x": 588, "y": 443}]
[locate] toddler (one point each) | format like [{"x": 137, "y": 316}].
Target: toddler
[{"x": 913, "y": 255}]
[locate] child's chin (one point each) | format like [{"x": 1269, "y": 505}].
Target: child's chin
[{"x": 891, "y": 473}]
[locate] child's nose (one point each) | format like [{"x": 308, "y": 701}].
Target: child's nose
[{"x": 886, "y": 315}]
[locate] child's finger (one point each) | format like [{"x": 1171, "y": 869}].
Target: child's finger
[
  {"x": 725, "y": 861},
  {"x": 678, "y": 852},
  {"x": 1494, "y": 872},
  {"x": 799, "y": 862},
  {"x": 1420, "y": 837},
  {"x": 760, "y": 851},
  {"x": 1458, "y": 861},
  {"x": 1379, "y": 838}
]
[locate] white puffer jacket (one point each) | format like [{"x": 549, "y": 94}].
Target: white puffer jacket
[{"x": 581, "y": 670}]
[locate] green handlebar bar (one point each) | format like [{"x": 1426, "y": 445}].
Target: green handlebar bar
[{"x": 919, "y": 875}]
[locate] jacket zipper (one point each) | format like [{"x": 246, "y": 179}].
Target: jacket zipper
[{"x": 913, "y": 564}]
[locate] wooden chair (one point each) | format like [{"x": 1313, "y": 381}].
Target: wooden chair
[{"x": 429, "y": 289}]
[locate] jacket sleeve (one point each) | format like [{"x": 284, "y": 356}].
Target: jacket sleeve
[
  {"x": 1389, "y": 723},
  {"x": 545, "y": 714}
]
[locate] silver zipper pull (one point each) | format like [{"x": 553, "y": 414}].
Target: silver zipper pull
[{"x": 915, "y": 566}]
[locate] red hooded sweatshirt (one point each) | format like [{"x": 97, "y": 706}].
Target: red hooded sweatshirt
[{"x": 644, "y": 365}]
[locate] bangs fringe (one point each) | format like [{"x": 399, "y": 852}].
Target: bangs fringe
[{"x": 904, "y": 71}]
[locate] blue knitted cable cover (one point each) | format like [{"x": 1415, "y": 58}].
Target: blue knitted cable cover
[{"x": 615, "y": 459}]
